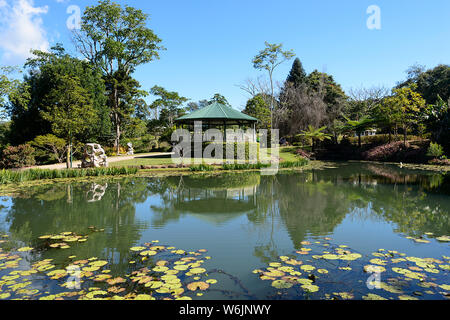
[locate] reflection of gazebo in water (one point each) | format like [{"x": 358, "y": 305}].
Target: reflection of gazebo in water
[
  {"x": 215, "y": 209},
  {"x": 215, "y": 201},
  {"x": 219, "y": 116}
]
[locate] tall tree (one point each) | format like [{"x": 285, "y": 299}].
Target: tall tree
[
  {"x": 8, "y": 86},
  {"x": 407, "y": 106},
  {"x": 193, "y": 106},
  {"x": 218, "y": 98},
  {"x": 297, "y": 78},
  {"x": 297, "y": 75},
  {"x": 168, "y": 104},
  {"x": 430, "y": 83},
  {"x": 438, "y": 122},
  {"x": 117, "y": 40},
  {"x": 269, "y": 59},
  {"x": 129, "y": 95},
  {"x": 300, "y": 107},
  {"x": 333, "y": 95},
  {"x": 44, "y": 69},
  {"x": 69, "y": 110},
  {"x": 362, "y": 101}
]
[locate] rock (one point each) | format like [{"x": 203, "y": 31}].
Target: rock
[{"x": 94, "y": 156}]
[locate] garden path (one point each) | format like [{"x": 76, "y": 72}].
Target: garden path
[{"x": 60, "y": 166}]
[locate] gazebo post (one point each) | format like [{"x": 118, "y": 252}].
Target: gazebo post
[{"x": 225, "y": 131}]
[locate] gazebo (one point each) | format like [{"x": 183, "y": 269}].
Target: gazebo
[{"x": 216, "y": 114}]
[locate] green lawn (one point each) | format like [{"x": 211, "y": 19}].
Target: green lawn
[
  {"x": 286, "y": 154},
  {"x": 146, "y": 160}
]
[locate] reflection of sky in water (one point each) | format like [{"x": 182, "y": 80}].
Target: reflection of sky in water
[{"x": 5, "y": 203}]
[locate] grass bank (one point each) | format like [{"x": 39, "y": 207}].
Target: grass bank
[{"x": 10, "y": 176}]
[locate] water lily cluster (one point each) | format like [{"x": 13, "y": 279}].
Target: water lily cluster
[
  {"x": 323, "y": 270},
  {"x": 155, "y": 272}
]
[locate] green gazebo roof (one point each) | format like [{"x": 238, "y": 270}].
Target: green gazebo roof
[{"x": 216, "y": 112}]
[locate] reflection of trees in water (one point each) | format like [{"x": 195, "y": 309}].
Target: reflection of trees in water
[
  {"x": 414, "y": 201},
  {"x": 45, "y": 213},
  {"x": 316, "y": 202},
  {"x": 312, "y": 202},
  {"x": 301, "y": 203}
]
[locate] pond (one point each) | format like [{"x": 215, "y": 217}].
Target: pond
[{"x": 352, "y": 231}]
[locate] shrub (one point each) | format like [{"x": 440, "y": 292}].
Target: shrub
[
  {"x": 166, "y": 136},
  {"x": 385, "y": 152},
  {"x": 435, "y": 150},
  {"x": 303, "y": 153},
  {"x": 202, "y": 167},
  {"x": 144, "y": 144},
  {"x": 440, "y": 162},
  {"x": 164, "y": 147},
  {"x": 49, "y": 148},
  {"x": 18, "y": 157},
  {"x": 380, "y": 139},
  {"x": 245, "y": 166},
  {"x": 112, "y": 151}
]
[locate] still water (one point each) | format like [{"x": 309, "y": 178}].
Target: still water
[{"x": 246, "y": 222}]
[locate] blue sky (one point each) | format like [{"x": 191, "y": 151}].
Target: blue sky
[{"x": 210, "y": 44}]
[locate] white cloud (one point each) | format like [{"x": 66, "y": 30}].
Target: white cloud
[{"x": 21, "y": 29}]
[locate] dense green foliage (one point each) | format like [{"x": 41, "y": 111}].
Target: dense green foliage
[
  {"x": 50, "y": 148},
  {"x": 431, "y": 84},
  {"x": 258, "y": 108},
  {"x": 435, "y": 150},
  {"x": 46, "y": 82},
  {"x": 201, "y": 167},
  {"x": 168, "y": 104},
  {"x": 18, "y": 157}
]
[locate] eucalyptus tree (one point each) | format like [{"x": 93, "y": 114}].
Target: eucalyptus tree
[
  {"x": 8, "y": 85},
  {"x": 117, "y": 40},
  {"x": 168, "y": 104},
  {"x": 269, "y": 59}
]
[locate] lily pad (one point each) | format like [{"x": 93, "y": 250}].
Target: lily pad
[{"x": 200, "y": 285}]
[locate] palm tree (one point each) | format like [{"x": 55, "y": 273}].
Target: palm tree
[
  {"x": 358, "y": 126},
  {"x": 315, "y": 135}
]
